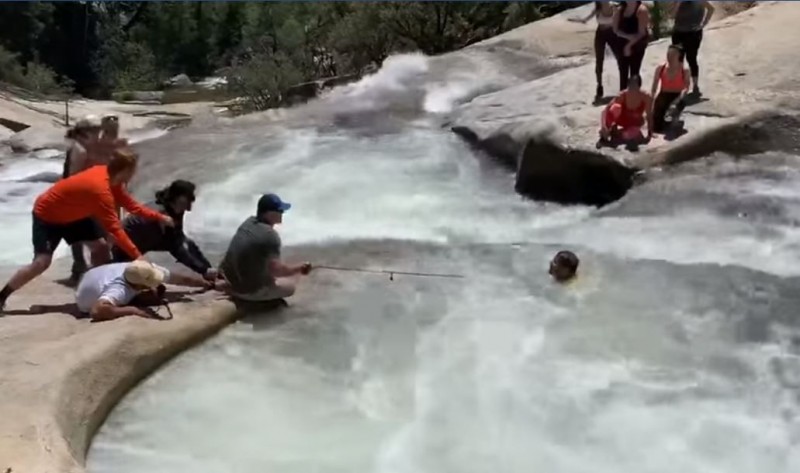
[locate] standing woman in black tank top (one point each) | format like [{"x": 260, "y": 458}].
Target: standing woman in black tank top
[{"x": 631, "y": 25}]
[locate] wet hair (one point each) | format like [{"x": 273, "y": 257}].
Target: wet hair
[
  {"x": 567, "y": 259},
  {"x": 176, "y": 189},
  {"x": 121, "y": 160},
  {"x": 637, "y": 79},
  {"x": 679, "y": 48}
]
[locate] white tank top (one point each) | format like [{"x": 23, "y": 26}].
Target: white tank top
[{"x": 604, "y": 20}]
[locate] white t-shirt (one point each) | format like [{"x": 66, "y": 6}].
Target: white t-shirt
[{"x": 106, "y": 282}]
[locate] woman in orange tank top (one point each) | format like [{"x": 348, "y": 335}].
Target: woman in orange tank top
[{"x": 671, "y": 82}]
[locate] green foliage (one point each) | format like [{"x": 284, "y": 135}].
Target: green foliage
[
  {"x": 659, "y": 17},
  {"x": 125, "y": 65},
  {"x": 10, "y": 69},
  {"x": 132, "y": 45},
  {"x": 40, "y": 78}
]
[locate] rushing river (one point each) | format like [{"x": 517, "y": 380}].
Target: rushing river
[{"x": 677, "y": 350}]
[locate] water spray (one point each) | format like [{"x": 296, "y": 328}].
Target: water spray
[{"x": 391, "y": 273}]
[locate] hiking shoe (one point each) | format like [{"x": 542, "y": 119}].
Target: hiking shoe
[{"x": 598, "y": 95}]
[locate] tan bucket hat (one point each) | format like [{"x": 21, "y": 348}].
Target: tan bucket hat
[{"x": 144, "y": 274}]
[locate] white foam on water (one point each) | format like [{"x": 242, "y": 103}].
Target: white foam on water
[
  {"x": 16, "y": 204},
  {"x": 421, "y": 186},
  {"x": 145, "y": 134},
  {"x": 631, "y": 369}
]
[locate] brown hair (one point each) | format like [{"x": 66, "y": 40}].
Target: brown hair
[{"x": 122, "y": 159}]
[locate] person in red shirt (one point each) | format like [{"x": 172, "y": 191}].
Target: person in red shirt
[{"x": 72, "y": 209}]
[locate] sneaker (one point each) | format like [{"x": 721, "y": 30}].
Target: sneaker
[{"x": 598, "y": 95}]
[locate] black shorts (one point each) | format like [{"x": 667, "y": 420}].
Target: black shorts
[{"x": 47, "y": 236}]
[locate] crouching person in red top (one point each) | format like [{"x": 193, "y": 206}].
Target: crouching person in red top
[
  {"x": 622, "y": 120},
  {"x": 71, "y": 210}
]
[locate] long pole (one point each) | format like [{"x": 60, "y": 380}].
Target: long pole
[{"x": 391, "y": 273}]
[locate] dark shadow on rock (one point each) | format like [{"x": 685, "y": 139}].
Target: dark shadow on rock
[
  {"x": 501, "y": 147},
  {"x": 603, "y": 100},
  {"x": 694, "y": 99},
  {"x": 553, "y": 173},
  {"x": 675, "y": 131},
  {"x": 250, "y": 307},
  {"x": 67, "y": 282},
  {"x": 150, "y": 299},
  {"x": 41, "y": 309}
]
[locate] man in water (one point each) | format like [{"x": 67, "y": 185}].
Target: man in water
[
  {"x": 252, "y": 264},
  {"x": 564, "y": 266},
  {"x": 149, "y": 235},
  {"x": 106, "y": 292}
]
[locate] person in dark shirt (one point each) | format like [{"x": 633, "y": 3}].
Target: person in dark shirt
[
  {"x": 149, "y": 235},
  {"x": 252, "y": 264}
]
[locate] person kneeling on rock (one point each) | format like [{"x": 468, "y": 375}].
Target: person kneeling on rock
[
  {"x": 623, "y": 118},
  {"x": 107, "y": 292},
  {"x": 670, "y": 86},
  {"x": 252, "y": 264}
]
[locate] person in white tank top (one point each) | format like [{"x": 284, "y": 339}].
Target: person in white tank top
[{"x": 604, "y": 36}]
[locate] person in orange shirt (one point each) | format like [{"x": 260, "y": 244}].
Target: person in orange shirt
[{"x": 69, "y": 209}]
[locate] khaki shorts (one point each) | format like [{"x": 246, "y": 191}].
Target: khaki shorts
[{"x": 266, "y": 293}]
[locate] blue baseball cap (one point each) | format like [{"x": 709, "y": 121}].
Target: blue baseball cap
[{"x": 272, "y": 203}]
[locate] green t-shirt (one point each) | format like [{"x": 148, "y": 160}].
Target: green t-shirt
[{"x": 245, "y": 264}]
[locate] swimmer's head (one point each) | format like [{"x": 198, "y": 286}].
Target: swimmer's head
[{"x": 564, "y": 266}]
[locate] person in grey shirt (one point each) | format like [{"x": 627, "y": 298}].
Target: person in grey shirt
[
  {"x": 252, "y": 264},
  {"x": 690, "y": 19}
]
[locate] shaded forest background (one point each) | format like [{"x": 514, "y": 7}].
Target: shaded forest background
[{"x": 95, "y": 48}]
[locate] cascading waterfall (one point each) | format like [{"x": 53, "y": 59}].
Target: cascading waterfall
[{"x": 676, "y": 349}]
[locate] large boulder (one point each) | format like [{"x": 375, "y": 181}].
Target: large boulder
[
  {"x": 181, "y": 80},
  {"x": 140, "y": 96},
  {"x": 37, "y": 138},
  {"x": 546, "y": 170},
  {"x": 738, "y": 95}
]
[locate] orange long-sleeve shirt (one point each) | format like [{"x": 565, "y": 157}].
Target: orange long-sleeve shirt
[{"x": 90, "y": 194}]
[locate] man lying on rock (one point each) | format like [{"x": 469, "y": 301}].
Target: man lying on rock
[
  {"x": 622, "y": 120},
  {"x": 107, "y": 292},
  {"x": 149, "y": 235},
  {"x": 252, "y": 264}
]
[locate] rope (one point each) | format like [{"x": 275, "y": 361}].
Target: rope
[{"x": 391, "y": 273}]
